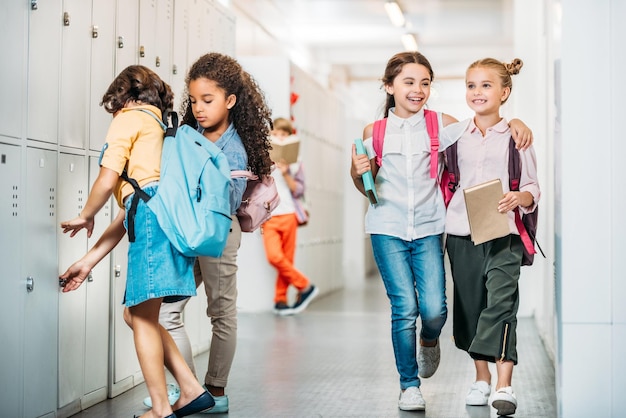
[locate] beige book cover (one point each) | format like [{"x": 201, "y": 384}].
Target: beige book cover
[
  {"x": 486, "y": 223},
  {"x": 287, "y": 149}
]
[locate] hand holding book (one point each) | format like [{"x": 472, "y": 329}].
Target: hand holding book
[{"x": 368, "y": 179}]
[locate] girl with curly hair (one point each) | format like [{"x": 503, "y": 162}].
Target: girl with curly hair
[{"x": 225, "y": 104}]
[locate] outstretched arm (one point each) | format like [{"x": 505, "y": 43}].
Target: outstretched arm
[
  {"x": 76, "y": 274},
  {"x": 100, "y": 194}
]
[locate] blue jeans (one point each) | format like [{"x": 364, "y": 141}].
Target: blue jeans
[{"x": 414, "y": 278}]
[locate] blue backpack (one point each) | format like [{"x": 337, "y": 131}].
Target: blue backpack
[{"x": 192, "y": 202}]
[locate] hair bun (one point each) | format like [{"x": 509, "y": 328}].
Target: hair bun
[{"x": 514, "y": 67}]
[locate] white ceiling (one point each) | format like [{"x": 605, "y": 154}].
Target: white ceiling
[{"x": 353, "y": 39}]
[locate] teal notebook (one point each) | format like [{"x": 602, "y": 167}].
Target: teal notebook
[{"x": 368, "y": 179}]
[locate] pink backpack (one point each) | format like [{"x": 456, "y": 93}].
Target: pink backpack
[
  {"x": 259, "y": 200},
  {"x": 448, "y": 182}
]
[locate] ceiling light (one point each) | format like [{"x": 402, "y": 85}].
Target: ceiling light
[
  {"x": 409, "y": 41},
  {"x": 395, "y": 13}
]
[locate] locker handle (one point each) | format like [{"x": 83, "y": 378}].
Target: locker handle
[
  {"x": 33, "y": 4},
  {"x": 174, "y": 69},
  {"x": 66, "y": 19},
  {"x": 120, "y": 42},
  {"x": 142, "y": 51},
  {"x": 30, "y": 284},
  {"x": 94, "y": 31},
  {"x": 118, "y": 270},
  {"x": 158, "y": 61},
  {"x": 90, "y": 277}
]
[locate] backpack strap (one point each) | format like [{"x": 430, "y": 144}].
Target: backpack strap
[
  {"x": 432, "y": 126},
  {"x": 378, "y": 137},
  {"x": 139, "y": 193},
  {"x": 243, "y": 173},
  {"x": 515, "y": 174},
  {"x": 452, "y": 167}
]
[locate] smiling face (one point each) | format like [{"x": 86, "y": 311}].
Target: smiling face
[
  {"x": 410, "y": 89},
  {"x": 210, "y": 105},
  {"x": 484, "y": 92}
]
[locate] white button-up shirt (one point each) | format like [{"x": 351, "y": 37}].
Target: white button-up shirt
[{"x": 410, "y": 202}]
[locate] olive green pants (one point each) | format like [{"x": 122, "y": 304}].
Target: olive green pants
[{"x": 486, "y": 296}]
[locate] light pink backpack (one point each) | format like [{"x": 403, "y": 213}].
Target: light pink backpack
[{"x": 259, "y": 200}]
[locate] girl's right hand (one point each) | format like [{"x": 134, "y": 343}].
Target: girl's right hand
[
  {"x": 74, "y": 276},
  {"x": 77, "y": 224},
  {"x": 360, "y": 164}
]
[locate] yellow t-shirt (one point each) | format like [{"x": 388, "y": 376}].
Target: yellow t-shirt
[{"x": 134, "y": 141}]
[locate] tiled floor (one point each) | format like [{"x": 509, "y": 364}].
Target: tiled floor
[{"x": 336, "y": 360}]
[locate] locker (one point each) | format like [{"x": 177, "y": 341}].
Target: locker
[
  {"x": 96, "y": 370},
  {"x": 39, "y": 268},
  {"x": 75, "y": 59},
  {"x": 198, "y": 40},
  {"x": 126, "y": 34},
  {"x": 126, "y": 372},
  {"x": 155, "y": 36},
  {"x": 12, "y": 284},
  {"x": 72, "y": 195},
  {"x": 44, "y": 46},
  {"x": 13, "y": 68},
  {"x": 102, "y": 69},
  {"x": 180, "y": 38}
]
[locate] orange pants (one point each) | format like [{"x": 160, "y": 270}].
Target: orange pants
[{"x": 279, "y": 238}]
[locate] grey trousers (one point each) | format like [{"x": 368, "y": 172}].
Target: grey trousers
[{"x": 219, "y": 276}]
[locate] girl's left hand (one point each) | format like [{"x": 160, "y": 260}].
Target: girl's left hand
[
  {"x": 522, "y": 135},
  {"x": 509, "y": 202}
]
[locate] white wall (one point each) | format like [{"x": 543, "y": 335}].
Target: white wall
[{"x": 589, "y": 214}]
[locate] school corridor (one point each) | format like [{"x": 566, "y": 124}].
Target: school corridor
[{"x": 336, "y": 360}]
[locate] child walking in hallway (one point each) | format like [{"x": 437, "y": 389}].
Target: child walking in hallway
[
  {"x": 485, "y": 276},
  {"x": 280, "y": 231}
]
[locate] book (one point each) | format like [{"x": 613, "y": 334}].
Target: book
[
  {"x": 287, "y": 149},
  {"x": 481, "y": 201},
  {"x": 368, "y": 179}
]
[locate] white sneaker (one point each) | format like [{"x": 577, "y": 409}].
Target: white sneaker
[
  {"x": 504, "y": 401},
  {"x": 411, "y": 400},
  {"x": 478, "y": 394},
  {"x": 428, "y": 360}
]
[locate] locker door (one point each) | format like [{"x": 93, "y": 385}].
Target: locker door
[
  {"x": 179, "y": 50},
  {"x": 44, "y": 52},
  {"x": 199, "y": 21},
  {"x": 147, "y": 33},
  {"x": 102, "y": 69},
  {"x": 72, "y": 195},
  {"x": 164, "y": 25},
  {"x": 12, "y": 285},
  {"x": 75, "y": 60},
  {"x": 126, "y": 34},
  {"x": 223, "y": 30},
  {"x": 13, "y": 70},
  {"x": 39, "y": 262},
  {"x": 126, "y": 370},
  {"x": 97, "y": 310}
]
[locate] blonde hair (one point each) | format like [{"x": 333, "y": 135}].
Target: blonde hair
[
  {"x": 502, "y": 69},
  {"x": 283, "y": 124}
]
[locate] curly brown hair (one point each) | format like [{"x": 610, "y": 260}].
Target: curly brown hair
[
  {"x": 250, "y": 115},
  {"x": 140, "y": 84}
]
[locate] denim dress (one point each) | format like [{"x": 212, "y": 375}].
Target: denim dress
[{"x": 155, "y": 268}]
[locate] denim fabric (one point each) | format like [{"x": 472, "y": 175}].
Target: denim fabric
[
  {"x": 414, "y": 278},
  {"x": 155, "y": 268}
]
